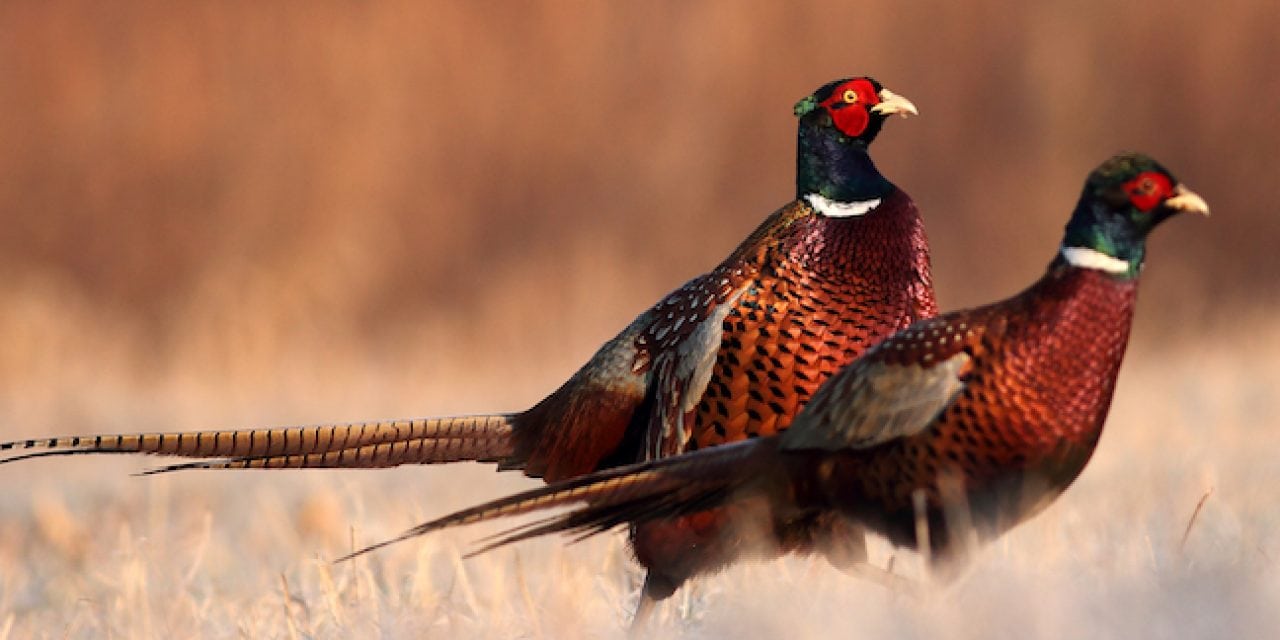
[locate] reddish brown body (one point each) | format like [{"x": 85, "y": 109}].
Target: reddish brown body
[
  {"x": 841, "y": 286},
  {"x": 1028, "y": 382},
  {"x": 1037, "y": 391},
  {"x": 819, "y": 297},
  {"x": 1037, "y": 388}
]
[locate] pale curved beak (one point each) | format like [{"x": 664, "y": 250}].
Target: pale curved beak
[
  {"x": 891, "y": 103},
  {"x": 1187, "y": 201}
]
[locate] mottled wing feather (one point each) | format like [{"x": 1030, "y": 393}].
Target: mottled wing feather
[
  {"x": 666, "y": 354},
  {"x": 885, "y": 395},
  {"x": 687, "y": 349},
  {"x": 684, "y": 367}
]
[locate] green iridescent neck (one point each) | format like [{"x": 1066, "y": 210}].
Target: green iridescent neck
[
  {"x": 836, "y": 167},
  {"x": 1108, "y": 237}
]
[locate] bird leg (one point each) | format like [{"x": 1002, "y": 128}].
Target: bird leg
[
  {"x": 845, "y": 548},
  {"x": 656, "y": 587}
]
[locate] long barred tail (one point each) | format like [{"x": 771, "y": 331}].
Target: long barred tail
[
  {"x": 361, "y": 445},
  {"x": 663, "y": 488}
]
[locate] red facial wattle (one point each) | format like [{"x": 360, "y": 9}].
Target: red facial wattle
[
  {"x": 850, "y": 105},
  {"x": 1148, "y": 189}
]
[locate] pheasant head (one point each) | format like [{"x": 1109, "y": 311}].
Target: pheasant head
[
  {"x": 837, "y": 123},
  {"x": 1123, "y": 200}
]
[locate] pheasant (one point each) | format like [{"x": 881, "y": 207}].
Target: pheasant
[
  {"x": 734, "y": 353},
  {"x": 946, "y": 434}
]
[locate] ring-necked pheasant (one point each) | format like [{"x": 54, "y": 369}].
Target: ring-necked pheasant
[
  {"x": 733, "y": 353},
  {"x": 966, "y": 423}
]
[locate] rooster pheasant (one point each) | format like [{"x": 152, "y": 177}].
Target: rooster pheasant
[
  {"x": 734, "y": 353},
  {"x": 951, "y": 431}
]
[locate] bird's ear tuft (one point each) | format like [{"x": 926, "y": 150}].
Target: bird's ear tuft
[{"x": 805, "y": 106}]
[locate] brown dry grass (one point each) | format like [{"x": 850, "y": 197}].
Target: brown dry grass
[
  {"x": 244, "y": 214},
  {"x": 86, "y": 551}
]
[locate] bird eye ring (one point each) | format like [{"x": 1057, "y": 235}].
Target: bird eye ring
[{"x": 850, "y": 96}]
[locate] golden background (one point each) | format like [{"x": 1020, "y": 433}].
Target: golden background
[{"x": 249, "y": 213}]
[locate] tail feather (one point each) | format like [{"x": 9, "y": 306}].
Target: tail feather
[
  {"x": 354, "y": 445},
  {"x": 663, "y": 488},
  {"x": 594, "y": 520},
  {"x": 370, "y": 456}
]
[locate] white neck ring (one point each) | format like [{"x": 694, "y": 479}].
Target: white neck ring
[
  {"x": 836, "y": 209},
  {"x": 1087, "y": 258}
]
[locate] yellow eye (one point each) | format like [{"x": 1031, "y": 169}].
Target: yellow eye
[{"x": 850, "y": 96}]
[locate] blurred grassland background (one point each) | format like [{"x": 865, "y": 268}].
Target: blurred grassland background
[{"x": 247, "y": 214}]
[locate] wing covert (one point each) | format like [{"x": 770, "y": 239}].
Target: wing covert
[{"x": 873, "y": 401}]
